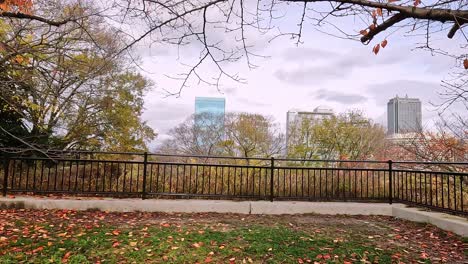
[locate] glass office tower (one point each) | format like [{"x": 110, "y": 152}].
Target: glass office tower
[
  {"x": 211, "y": 105},
  {"x": 209, "y": 116},
  {"x": 404, "y": 115}
]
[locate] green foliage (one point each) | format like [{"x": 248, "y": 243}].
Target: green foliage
[
  {"x": 346, "y": 136},
  {"x": 71, "y": 86}
]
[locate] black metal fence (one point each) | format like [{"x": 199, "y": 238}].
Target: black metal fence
[{"x": 440, "y": 186}]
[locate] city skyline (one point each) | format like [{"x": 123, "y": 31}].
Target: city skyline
[
  {"x": 336, "y": 75},
  {"x": 382, "y": 119}
]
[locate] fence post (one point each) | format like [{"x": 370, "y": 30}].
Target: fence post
[
  {"x": 6, "y": 167},
  {"x": 272, "y": 173},
  {"x": 145, "y": 163},
  {"x": 390, "y": 187}
]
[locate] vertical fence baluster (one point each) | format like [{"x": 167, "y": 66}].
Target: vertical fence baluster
[
  {"x": 190, "y": 179},
  {"x": 145, "y": 165},
  {"x": 6, "y": 168},
  {"x": 461, "y": 194},
  {"x": 183, "y": 179},
  {"x": 390, "y": 178},
  {"x": 442, "y": 190},
  {"x": 448, "y": 190},
  {"x": 272, "y": 172},
  {"x": 455, "y": 192},
  {"x": 13, "y": 176}
]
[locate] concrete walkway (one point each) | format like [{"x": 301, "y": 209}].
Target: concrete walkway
[{"x": 447, "y": 222}]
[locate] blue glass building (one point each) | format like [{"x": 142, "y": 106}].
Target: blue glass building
[
  {"x": 209, "y": 116},
  {"x": 211, "y": 105}
]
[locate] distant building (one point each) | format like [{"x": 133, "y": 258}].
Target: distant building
[
  {"x": 404, "y": 115},
  {"x": 209, "y": 116},
  {"x": 295, "y": 117},
  {"x": 210, "y": 105}
]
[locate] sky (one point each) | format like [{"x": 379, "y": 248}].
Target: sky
[{"x": 322, "y": 71}]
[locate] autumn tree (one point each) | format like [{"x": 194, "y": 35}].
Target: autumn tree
[
  {"x": 236, "y": 135},
  {"x": 252, "y": 135},
  {"x": 200, "y": 134},
  {"x": 447, "y": 142},
  {"x": 349, "y": 135},
  {"x": 71, "y": 85}
]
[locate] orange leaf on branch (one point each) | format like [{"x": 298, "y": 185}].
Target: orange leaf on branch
[
  {"x": 417, "y": 2},
  {"x": 384, "y": 43},
  {"x": 363, "y": 32},
  {"x": 376, "y": 49},
  {"x": 372, "y": 26},
  {"x": 379, "y": 11},
  {"x": 465, "y": 63}
]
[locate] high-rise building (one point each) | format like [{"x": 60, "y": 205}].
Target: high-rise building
[
  {"x": 209, "y": 116},
  {"x": 404, "y": 115},
  {"x": 211, "y": 105},
  {"x": 295, "y": 117}
]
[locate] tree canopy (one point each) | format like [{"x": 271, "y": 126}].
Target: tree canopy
[
  {"x": 222, "y": 30},
  {"x": 71, "y": 86}
]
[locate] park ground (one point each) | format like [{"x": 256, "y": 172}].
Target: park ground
[{"x": 64, "y": 236}]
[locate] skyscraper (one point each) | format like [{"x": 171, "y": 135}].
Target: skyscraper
[
  {"x": 404, "y": 115},
  {"x": 209, "y": 117},
  {"x": 211, "y": 105}
]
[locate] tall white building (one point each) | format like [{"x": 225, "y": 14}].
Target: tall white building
[
  {"x": 295, "y": 117},
  {"x": 404, "y": 115}
]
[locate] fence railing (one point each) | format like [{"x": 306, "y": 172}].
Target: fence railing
[{"x": 440, "y": 186}]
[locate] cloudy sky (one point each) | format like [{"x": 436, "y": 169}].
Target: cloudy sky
[{"x": 323, "y": 71}]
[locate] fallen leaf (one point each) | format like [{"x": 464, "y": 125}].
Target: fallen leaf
[
  {"x": 424, "y": 255},
  {"x": 38, "y": 249},
  {"x": 66, "y": 257},
  {"x": 208, "y": 260},
  {"x": 196, "y": 245}
]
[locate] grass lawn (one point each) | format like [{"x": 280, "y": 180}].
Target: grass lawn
[{"x": 48, "y": 236}]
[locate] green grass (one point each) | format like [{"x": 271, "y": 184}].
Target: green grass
[
  {"x": 190, "y": 245},
  {"x": 96, "y": 237}
]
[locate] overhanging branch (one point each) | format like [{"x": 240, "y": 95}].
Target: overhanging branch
[
  {"x": 382, "y": 27},
  {"x": 434, "y": 14},
  {"x": 19, "y": 15}
]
